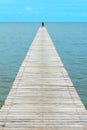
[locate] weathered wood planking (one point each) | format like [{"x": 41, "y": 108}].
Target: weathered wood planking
[{"x": 42, "y": 96}]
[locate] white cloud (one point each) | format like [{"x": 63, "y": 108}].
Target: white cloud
[
  {"x": 83, "y": 13},
  {"x": 70, "y": 13},
  {"x": 7, "y": 2},
  {"x": 28, "y": 8},
  {"x": 24, "y": 10},
  {"x": 20, "y": 12}
]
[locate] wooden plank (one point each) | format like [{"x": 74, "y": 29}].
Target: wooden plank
[{"x": 43, "y": 96}]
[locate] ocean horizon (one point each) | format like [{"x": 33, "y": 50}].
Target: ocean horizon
[{"x": 70, "y": 40}]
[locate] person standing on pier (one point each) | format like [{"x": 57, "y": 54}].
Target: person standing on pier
[{"x": 42, "y": 24}]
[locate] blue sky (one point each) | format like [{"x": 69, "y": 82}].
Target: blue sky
[{"x": 43, "y": 10}]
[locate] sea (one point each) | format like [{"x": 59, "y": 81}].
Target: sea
[{"x": 70, "y": 40}]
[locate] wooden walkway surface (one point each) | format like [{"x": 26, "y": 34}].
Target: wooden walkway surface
[{"x": 42, "y": 96}]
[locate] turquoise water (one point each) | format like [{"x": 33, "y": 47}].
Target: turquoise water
[
  {"x": 15, "y": 39},
  {"x": 70, "y": 40}
]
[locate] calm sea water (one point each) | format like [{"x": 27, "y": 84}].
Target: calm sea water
[{"x": 70, "y": 40}]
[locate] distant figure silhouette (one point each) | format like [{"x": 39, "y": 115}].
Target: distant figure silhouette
[{"x": 42, "y": 24}]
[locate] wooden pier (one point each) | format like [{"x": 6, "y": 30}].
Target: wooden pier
[{"x": 42, "y": 96}]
